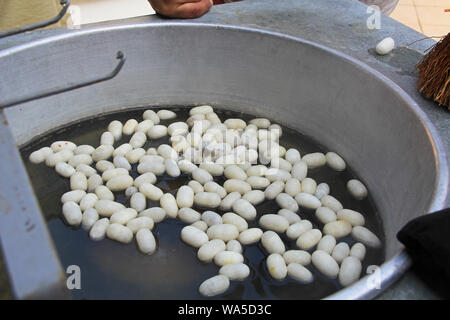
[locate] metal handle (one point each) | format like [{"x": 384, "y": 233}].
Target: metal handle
[
  {"x": 65, "y": 5},
  {"x": 69, "y": 87}
]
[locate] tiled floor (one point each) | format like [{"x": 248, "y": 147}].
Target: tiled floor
[{"x": 426, "y": 16}]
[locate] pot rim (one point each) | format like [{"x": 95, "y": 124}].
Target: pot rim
[{"x": 392, "y": 269}]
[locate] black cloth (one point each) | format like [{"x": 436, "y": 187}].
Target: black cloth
[{"x": 427, "y": 240}]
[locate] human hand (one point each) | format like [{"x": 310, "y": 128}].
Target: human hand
[{"x": 185, "y": 9}]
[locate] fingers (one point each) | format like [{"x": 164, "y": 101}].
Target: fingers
[
  {"x": 194, "y": 9},
  {"x": 179, "y": 2},
  {"x": 183, "y": 9}
]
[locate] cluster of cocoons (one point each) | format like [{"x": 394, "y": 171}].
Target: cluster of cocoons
[{"x": 256, "y": 168}]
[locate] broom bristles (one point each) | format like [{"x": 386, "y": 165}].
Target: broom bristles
[{"x": 434, "y": 73}]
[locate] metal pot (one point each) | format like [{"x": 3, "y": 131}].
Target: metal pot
[{"x": 322, "y": 93}]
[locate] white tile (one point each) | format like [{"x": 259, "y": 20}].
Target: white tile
[
  {"x": 433, "y": 16},
  {"x": 405, "y": 14},
  {"x": 103, "y": 10},
  {"x": 432, "y": 3},
  {"x": 435, "y": 30},
  {"x": 405, "y": 2}
]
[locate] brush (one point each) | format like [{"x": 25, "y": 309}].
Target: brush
[{"x": 434, "y": 73}]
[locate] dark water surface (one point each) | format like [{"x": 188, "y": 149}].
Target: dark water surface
[{"x": 111, "y": 270}]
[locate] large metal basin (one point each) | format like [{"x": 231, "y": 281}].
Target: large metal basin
[{"x": 335, "y": 99}]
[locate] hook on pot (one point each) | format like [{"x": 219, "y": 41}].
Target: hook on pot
[
  {"x": 65, "y": 5},
  {"x": 46, "y": 93}
]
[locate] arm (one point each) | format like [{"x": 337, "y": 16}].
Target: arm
[{"x": 185, "y": 9}]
